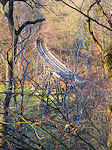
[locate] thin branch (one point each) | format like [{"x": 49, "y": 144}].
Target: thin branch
[
  {"x": 75, "y": 4},
  {"x": 103, "y": 13},
  {"x": 3, "y": 57},
  {"x": 2, "y": 10}
]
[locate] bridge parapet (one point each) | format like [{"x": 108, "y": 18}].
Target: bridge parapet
[{"x": 61, "y": 70}]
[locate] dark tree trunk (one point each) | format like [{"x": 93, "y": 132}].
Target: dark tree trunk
[{"x": 9, "y": 77}]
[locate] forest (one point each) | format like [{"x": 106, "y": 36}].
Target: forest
[{"x": 55, "y": 74}]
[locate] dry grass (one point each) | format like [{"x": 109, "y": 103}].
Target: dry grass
[{"x": 60, "y": 25}]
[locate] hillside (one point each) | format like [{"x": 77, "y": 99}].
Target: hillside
[{"x": 55, "y": 88}]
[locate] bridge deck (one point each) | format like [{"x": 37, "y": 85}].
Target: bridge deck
[{"x": 60, "y": 68}]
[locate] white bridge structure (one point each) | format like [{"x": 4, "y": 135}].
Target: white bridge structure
[{"x": 60, "y": 69}]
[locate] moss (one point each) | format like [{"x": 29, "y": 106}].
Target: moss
[
  {"x": 109, "y": 49},
  {"x": 109, "y": 111},
  {"x": 108, "y": 60},
  {"x": 10, "y": 56}
]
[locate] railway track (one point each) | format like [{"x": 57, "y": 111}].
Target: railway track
[{"x": 60, "y": 69}]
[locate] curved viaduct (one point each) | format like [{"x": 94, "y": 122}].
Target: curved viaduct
[{"x": 60, "y": 69}]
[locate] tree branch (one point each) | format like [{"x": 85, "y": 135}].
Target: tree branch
[
  {"x": 2, "y": 10},
  {"x": 3, "y": 57},
  {"x": 4, "y": 2},
  {"x": 103, "y": 13},
  {"x": 10, "y": 16},
  {"x": 90, "y": 32},
  {"x": 107, "y": 54},
  {"x": 84, "y": 14},
  {"x": 28, "y": 23}
]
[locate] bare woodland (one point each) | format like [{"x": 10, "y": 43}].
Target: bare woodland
[{"x": 55, "y": 75}]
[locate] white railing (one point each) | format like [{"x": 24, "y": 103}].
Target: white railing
[{"x": 60, "y": 68}]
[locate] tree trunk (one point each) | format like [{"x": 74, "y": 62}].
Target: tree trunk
[
  {"x": 9, "y": 79},
  {"x": 108, "y": 70},
  {"x": 108, "y": 61},
  {"x": 6, "y": 102}
]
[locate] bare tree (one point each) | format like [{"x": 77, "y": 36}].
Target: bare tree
[
  {"x": 105, "y": 52},
  {"x": 67, "y": 118},
  {"x": 11, "y": 56}
]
